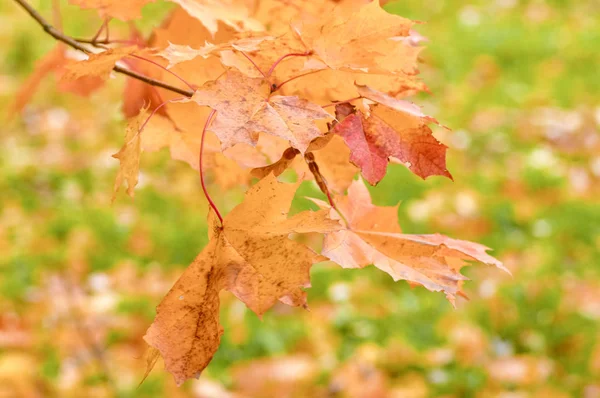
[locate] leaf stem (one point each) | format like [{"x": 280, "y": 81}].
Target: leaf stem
[
  {"x": 56, "y": 15},
  {"x": 150, "y": 117},
  {"x": 311, "y": 162},
  {"x": 333, "y": 205},
  {"x": 165, "y": 69},
  {"x": 284, "y": 57},
  {"x": 253, "y": 63},
  {"x": 208, "y": 198},
  {"x": 107, "y": 29},
  {"x": 99, "y": 32},
  {"x": 52, "y": 31}
]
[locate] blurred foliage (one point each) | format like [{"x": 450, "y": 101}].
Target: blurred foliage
[{"x": 517, "y": 81}]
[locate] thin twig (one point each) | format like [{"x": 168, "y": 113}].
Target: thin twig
[
  {"x": 208, "y": 198},
  {"x": 150, "y": 117},
  {"x": 52, "y": 31},
  {"x": 97, "y": 35},
  {"x": 106, "y": 41},
  {"x": 56, "y": 15},
  {"x": 107, "y": 37}
]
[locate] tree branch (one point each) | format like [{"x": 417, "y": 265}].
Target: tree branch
[{"x": 52, "y": 31}]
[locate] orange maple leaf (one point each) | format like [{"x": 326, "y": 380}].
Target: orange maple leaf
[
  {"x": 373, "y": 236},
  {"x": 235, "y": 14},
  {"x": 250, "y": 255},
  {"x": 358, "y": 39},
  {"x": 99, "y": 65}
]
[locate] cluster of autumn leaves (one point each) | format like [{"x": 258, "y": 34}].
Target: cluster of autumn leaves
[{"x": 313, "y": 86}]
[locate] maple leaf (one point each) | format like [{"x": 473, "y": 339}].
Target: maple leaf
[
  {"x": 394, "y": 128},
  {"x": 236, "y": 99},
  {"x": 266, "y": 53},
  {"x": 186, "y": 330},
  {"x": 327, "y": 84},
  {"x": 355, "y": 39},
  {"x": 99, "y": 65},
  {"x": 235, "y": 14},
  {"x": 245, "y": 108},
  {"x": 129, "y": 155},
  {"x": 123, "y": 10},
  {"x": 250, "y": 255},
  {"x": 373, "y": 236},
  {"x": 259, "y": 233},
  {"x": 176, "y": 53}
]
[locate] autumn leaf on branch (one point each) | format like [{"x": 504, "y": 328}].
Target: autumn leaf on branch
[
  {"x": 249, "y": 255},
  {"x": 355, "y": 38},
  {"x": 99, "y": 65},
  {"x": 245, "y": 108},
  {"x": 393, "y": 128},
  {"x": 259, "y": 79},
  {"x": 177, "y": 53},
  {"x": 235, "y": 14},
  {"x": 373, "y": 236}
]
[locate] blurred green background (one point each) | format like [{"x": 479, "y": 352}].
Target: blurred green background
[{"x": 518, "y": 84}]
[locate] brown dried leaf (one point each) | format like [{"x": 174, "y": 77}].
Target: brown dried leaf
[{"x": 186, "y": 330}]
